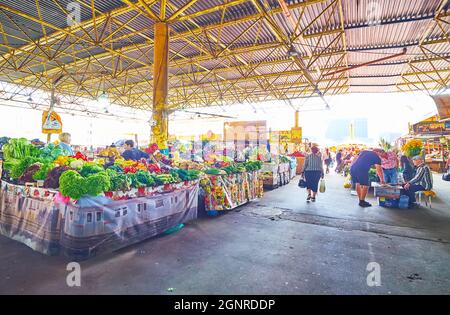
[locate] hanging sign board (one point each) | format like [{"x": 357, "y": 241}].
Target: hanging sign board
[
  {"x": 285, "y": 136},
  {"x": 296, "y": 135},
  {"x": 51, "y": 123},
  {"x": 252, "y": 131}
]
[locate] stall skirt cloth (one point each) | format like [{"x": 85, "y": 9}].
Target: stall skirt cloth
[
  {"x": 94, "y": 224},
  {"x": 30, "y": 216}
]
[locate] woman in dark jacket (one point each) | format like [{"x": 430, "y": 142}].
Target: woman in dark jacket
[
  {"x": 408, "y": 168},
  {"x": 312, "y": 172}
]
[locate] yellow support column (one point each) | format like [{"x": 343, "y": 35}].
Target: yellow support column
[{"x": 160, "y": 131}]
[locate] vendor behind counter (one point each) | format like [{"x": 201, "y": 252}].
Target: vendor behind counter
[{"x": 132, "y": 153}]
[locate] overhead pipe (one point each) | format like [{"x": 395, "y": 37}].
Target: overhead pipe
[{"x": 367, "y": 63}]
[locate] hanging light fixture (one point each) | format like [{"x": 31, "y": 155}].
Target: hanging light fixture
[
  {"x": 103, "y": 98},
  {"x": 292, "y": 52}
]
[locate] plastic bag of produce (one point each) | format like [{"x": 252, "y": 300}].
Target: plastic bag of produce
[
  {"x": 322, "y": 187},
  {"x": 348, "y": 182}
]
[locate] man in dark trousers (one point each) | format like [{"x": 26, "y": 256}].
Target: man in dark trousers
[
  {"x": 131, "y": 153},
  {"x": 360, "y": 172},
  {"x": 422, "y": 181}
]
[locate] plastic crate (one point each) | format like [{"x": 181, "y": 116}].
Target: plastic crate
[{"x": 388, "y": 202}]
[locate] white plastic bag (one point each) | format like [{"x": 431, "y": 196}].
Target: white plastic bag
[{"x": 322, "y": 187}]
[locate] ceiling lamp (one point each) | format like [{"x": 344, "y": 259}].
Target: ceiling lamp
[{"x": 292, "y": 52}]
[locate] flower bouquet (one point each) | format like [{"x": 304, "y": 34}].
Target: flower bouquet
[{"x": 412, "y": 147}]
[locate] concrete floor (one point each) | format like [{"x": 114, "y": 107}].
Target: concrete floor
[{"x": 278, "y": 245}]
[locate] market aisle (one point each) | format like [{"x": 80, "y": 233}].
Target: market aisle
[{"x": 278, "y": 245}]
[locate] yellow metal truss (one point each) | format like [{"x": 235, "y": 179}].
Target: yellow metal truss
[{"x": 249, "y": 57}]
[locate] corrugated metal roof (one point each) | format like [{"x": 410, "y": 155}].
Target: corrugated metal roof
[{"x": 229, "y": 46}]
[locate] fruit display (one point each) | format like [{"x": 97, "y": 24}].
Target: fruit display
[{"x": 110, "y": 152}]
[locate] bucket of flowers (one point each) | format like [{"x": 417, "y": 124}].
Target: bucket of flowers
[{"x": 412, "y": 147}]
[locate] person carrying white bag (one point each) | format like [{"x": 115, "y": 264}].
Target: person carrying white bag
[{"x": 313, "y": 172}]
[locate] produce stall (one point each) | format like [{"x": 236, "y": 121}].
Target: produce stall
[
  {"x": 432, "y": 136},
  {"x": 276, "y": 173},
  {"x": 231, "y": 186},
  {"x": 53, "y": 202}
]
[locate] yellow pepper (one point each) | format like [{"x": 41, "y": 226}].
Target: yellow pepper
[{"x": 62, "y": 160}]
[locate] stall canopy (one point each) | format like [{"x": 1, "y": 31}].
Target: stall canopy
[
  {"x": 431, "y": 127},
  {"x": 443, "y": 106}
]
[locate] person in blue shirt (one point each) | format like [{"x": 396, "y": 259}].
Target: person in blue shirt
[
  {"x": 360, "y": 172},
  {"x": 131, "y": 153},
  {"x": 65, "y": 139}
]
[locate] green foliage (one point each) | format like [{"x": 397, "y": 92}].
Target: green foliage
[
  {"x": 384, "y": 144},
  {"x": 253, "y": 166},
  {"x": 42, "y": 173},
  {"x": 89, "y": 169},
  {"x": 97, "y": 183},
  {"x": 144, "y": 178},
  {"x": 19, "y": 149},
  {"x": 162, "y": 179},
  {"x": 214, "y": 171},
  {"x": 188, "y": 174},
  {"x": 18, "y": 168},
  {"x": 116, "y": 168},
  {"x": 119, "y": 181},
  {"x": 72, "y": 184},
  {"x": 51, "y": 151}
]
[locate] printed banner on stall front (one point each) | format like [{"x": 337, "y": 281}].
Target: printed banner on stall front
[
  {"x": 30, "y": 216},
  {"x": 99, "y": 224},
  {"x": 35, "y": 217}
]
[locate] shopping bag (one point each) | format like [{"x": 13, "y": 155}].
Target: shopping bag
[
  {"x": 446, "y": 177},
  {"x": 322, "y": 187},
  {"x": 348, "y": 182},
  {"x": 302, "y": 183}
]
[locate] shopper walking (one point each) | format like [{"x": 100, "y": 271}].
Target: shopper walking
[
  {"x": 389, "y": 164},
  {"x": 312, "y": 172},
  {"x": 327, "y": 159},
  {"x": 360, "y": 172},
  {"x": 338, "y": 161},
  {"x": 407, "y": 167}
]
